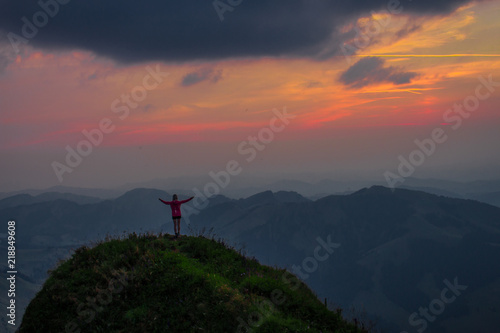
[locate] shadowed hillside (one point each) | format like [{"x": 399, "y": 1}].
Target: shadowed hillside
[{"x": 393, "y": 252}]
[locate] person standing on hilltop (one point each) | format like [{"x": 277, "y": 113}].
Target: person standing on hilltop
[{"x": 176, "y": 212}]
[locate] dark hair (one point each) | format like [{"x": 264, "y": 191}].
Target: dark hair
[{"x": 175, "y": 197}]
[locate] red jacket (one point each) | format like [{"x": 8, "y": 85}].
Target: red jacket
[{"x": 176, "y": 206}]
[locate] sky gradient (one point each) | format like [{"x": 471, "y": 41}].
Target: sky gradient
[{"x": 182, "y": 92}]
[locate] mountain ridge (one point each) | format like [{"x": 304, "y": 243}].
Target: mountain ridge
[{"x": 384, "y": 236}]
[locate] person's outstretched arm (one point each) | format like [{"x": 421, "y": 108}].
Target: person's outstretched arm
[
  {"x": 183, "y": 201},
  {"x": 165, "y": 202}
]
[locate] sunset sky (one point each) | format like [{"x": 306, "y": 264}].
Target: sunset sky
[{"x": 358, "y": 100}]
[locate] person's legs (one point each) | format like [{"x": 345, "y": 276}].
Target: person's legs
[{"x": 177, "y": 226}]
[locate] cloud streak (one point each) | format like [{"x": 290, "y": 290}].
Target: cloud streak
[{"x": 371, "y": 70}]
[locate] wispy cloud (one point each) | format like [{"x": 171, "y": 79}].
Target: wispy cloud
[
  {"x": 371, "y": 70},
  {"x": 204, "y": 74}
]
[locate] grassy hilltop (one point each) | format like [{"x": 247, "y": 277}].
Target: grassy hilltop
[{"x": 150, "y": 283}]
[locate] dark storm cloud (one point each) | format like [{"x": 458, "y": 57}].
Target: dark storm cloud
[
  {"x": 371, "y": 70},
  {"x": 184, "y": 30}
]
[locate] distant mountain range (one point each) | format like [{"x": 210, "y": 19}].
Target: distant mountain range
[
  {"x": 26, "y": 199},
  {"x": 482, "y": 190},
  {"x": 395, "y": 249},
  {"x": 389, "y": 254},
  {"x": 99, "y": 193}
]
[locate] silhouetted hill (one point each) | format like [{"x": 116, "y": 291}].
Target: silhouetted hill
[
  {"x": 493, "y": 198},
  {"x": 436, "y": 191},
  {"x": 142, "y": 196},
  {"x": 80, "y": 191},
  {"x": 395, "y": 250},
  {"x": 460, "y": 188},
  {"x": 63, "y": 222},
  {"x": 395, "y": 247},
  {"x": 263, "y": 198},
  {"x": 157, "y": 284},
  {"x": 290, "y": 196},
  {"x": 268, "y": 197},
  {"x": 15, "y": 200},
  {"x": 26, "y": 199}
]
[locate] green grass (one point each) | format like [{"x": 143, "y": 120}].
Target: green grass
[{"x": 153, "y": 283}]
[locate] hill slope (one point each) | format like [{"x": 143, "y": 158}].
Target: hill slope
[{"x": 156, "y": 284}]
